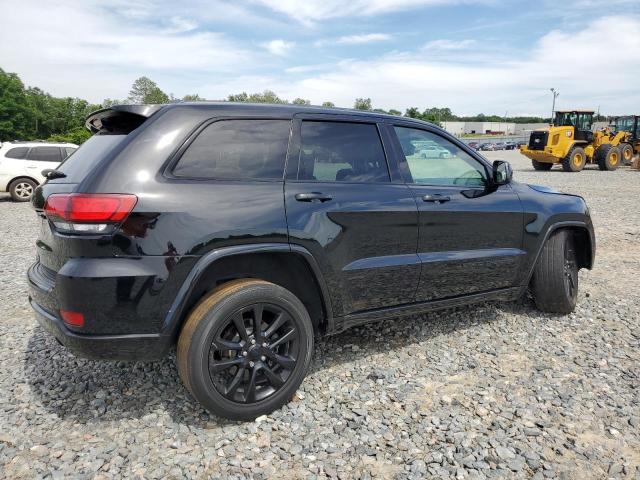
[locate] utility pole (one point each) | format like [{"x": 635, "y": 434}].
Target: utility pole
[{"x": 556, "y": 94}]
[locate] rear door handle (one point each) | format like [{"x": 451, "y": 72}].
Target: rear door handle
[
  {"x": 436, "y": 198},
  {"x": 312, "y": 196}
]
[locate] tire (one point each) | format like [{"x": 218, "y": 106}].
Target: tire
[
  {"x": 21, "y": 189},
  {"x": 626, "y": 153},
  {"x": 221, "y": 378},
  {"x": 575, "y": 160},
  {"x": 541, "y": 165},
  {"x": 608, "y": 157},
  {"x": 555, "y": 278}
]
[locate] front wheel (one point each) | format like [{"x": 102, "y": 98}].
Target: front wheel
[
  {"x": 245, "y": 349},
  {"x": 575, "y": 160},
  {"x": 555, "y": 278}
]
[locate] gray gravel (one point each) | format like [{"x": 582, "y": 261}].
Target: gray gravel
[{"x": 480, "y": 392}]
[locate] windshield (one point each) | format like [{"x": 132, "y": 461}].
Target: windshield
[{"x": 77, "y": 165}]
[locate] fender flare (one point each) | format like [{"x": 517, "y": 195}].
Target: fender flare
[
  {"x": 552, "y": 228},
  {"x": 171, "y": 324}
]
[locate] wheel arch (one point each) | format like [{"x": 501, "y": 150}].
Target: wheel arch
[
  {"x": 582, "y": 234},
  {"x": 20, "y": 177},
  {"x": 290, "y": 266}
]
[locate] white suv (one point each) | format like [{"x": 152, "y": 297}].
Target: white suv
[{"x": 21, "y": 164}]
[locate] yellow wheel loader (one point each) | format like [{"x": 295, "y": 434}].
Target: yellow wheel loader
[
  {"x": 571, "y": 143},
  {"x": 630, "y": 147}
]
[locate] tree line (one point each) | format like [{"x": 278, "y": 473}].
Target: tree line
[{"x": 28, "y": 113}]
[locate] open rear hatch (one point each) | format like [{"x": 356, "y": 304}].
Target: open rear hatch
[{"x": 110, "y": 127}]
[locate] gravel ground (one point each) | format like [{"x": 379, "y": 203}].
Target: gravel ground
[{"x": 487, "y": 391}]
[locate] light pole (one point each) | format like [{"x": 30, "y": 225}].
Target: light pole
[{"x": 556, "y": 94}]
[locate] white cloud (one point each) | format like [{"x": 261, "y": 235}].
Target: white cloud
[
  {"x": 311, "y": 11},
  {"x": 278, "y": 47},
  {"x": 520, "y": 86},
  {"x": 81, "y": 49},
  {"x": 448, "y": 44},
  {"x": 365, "y": 38}
]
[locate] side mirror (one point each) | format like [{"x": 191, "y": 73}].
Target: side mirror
[{"x": 502, "y": 172}]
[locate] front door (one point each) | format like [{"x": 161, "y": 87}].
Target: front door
[
  {"x": 470, "y": 238},
  {"x": 343, "y": 206}
]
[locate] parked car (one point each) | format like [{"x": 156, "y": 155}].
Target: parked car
[
  {"x": 510, "y": 145},
  {"x": 473, "y": 145},
  {"x": 499, "y": 146},
  {"x": 487, "y": 147},
  {"x": 240, "y": 233},
  {"x": 434, "y": 151},
  {"x": 21, "y": 165}
]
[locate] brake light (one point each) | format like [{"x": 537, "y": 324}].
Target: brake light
[{"x": 88, "y": 212}]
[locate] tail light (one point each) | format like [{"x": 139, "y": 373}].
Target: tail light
[{"x": 88, "y": 212}]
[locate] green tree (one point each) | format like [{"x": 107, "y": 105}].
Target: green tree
[
  {"x": 328, "y": 104},
  {"x": 362, "y": 104},
  {"x": 268, "y": 96},
  {"x": 412, "y": 112},
  {"x": 393, "y": 111},
  {"x": 301, "y": 101},
  {"x": 78, "y": 136},
  {"x": 17, "y": 117},
  {"x": 144, "y": 90},
  {"x": 192, "y": 97}
]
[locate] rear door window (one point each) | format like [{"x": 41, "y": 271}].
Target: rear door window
[
  {"x": 342, "y": 152},
  {"x": 17, "y": 153},
  {"x": 237, "y": 150},
  {"x": 45, "y": 154}
]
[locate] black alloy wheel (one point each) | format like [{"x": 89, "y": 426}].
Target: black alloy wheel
[
  {"x": 254, "y": 353},
  {"x": 245, "y": 348}
]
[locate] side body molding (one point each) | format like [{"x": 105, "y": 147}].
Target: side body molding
[{"x": 172, "y": 323}]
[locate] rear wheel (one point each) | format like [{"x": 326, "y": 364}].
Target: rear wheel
[
  {"x": 555, "y": 278},
  {"x": 626, "y": 153},
  {"x": 21, "y": 189},
  {"x": 575, "y": 160},
  {"x": 245, "y": 349},
  {"x": 608, "y": 157},
  {"x": 541, "y": 165}
]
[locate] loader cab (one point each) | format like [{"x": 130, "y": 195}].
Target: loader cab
[
  {"x": 581, "y": 120},
  {"x": 629, "y": 124}
]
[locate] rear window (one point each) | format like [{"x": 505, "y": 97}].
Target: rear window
[
  {"x": 68, "y": 151},
  {"x": 18, "y": 152},
  {"x": 45, "y": 154},
  {"x": 237, "y": 150},
  {"x": 78, "y": 165}
]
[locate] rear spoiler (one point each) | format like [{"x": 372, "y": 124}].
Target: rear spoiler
[{"x": 119, "y": 119}]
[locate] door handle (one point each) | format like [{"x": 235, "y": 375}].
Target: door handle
[
  {"x": 31, "y": 166},
  {"x": 436, "y": 198},
  {"x": 312, "y": 196}
]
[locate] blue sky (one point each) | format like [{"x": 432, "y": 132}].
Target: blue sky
[{"x": 473, "y": 56}]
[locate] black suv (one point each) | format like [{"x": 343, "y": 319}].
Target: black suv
[{"x": 239, "y": 233}]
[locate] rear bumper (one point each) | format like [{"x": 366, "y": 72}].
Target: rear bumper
[
  {"x": 103, "y": 347},
  {"x": 46, "y": 297}
]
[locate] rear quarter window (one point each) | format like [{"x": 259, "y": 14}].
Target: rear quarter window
[
  {"x": 237, "y": 150},
  {"x": 84, "y": 159},
  {"x": 17, "y": 152}
]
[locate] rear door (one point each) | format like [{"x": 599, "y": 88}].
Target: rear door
[
  {"x": 357, "y": 217},
  {"x": 470, "y": 237},
  {"x": 41, "y": 158}
]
